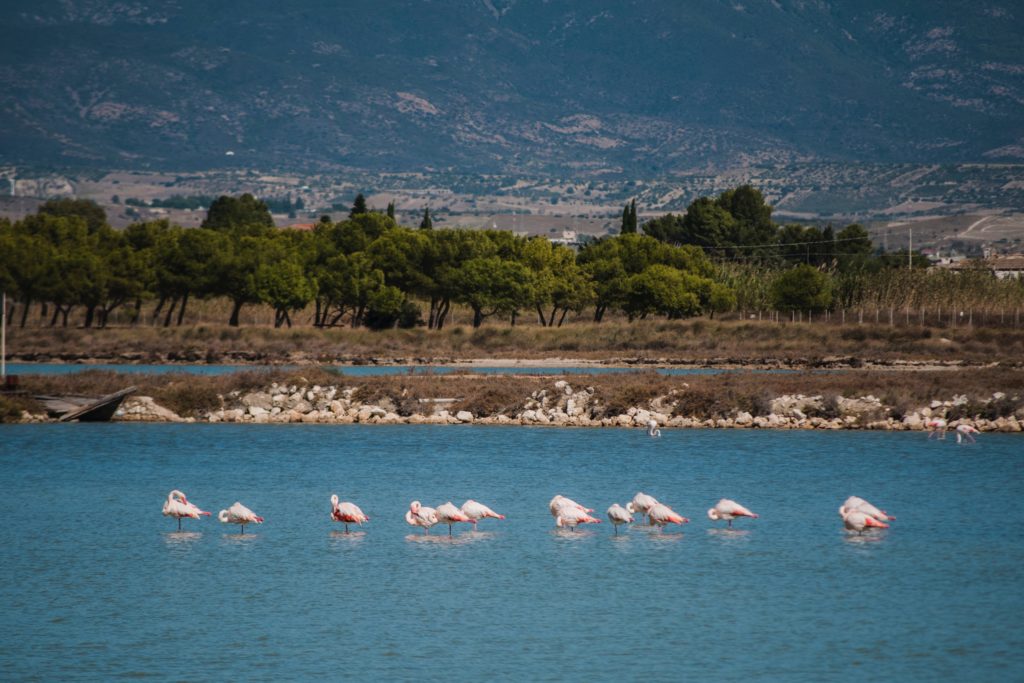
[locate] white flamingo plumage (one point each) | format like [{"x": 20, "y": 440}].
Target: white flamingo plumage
[
  {"x": 652, "y": 428},
  {"x": 448, "y": 514},
  {"x": 347, "y": 513},
  {"x": 855, "y": 503},
  {"x": 477, "y": 511},
  {"x": 559, "y": 502},
  {"x": 572, "y": 517},
  {"x": 858, "y": 520},
  {"x": 965, "y": 431},
  {"x": 729, "y": 510},
  {"x": 240, "y": 515},
  {"x": 417, "y": 515},
  {"x": 662, "y": 514},
  {"x": 177, "y": 506},
  {"x": 641, "y": 503},
  {"x": 619, "y": 515}
]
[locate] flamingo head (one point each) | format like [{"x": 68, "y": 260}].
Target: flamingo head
[
  {"x": 223, "y": 516},
  {"x": 334, "y": 499},
  {"x": 713, "y": 514},
  {"x": 630, "y": 507},
  {"x": 414, "y": 507},
  {"x": 871, "y": 521}
]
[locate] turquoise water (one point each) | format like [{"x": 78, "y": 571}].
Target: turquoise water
[
  {"x": 351, "y": 370},
  {"x": 98, "y": 585}
]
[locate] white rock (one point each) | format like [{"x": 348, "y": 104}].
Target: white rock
[{"x": 464, "y": 416}]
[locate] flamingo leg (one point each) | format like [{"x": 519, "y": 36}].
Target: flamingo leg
[
  {"x": 616, "y": 529},
  {"x": 730, "y": 523},
  {"x": 449, "y": 530},
  {"x": 241, "y": 528},
  {"x": 179, "y": 523},
  {"x": 346, "y": 527}
]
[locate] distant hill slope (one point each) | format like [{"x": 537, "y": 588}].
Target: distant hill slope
[{"x": 507, "y": 85}]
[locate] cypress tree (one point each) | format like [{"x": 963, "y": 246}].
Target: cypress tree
[
  {"x": 358, "y": 206},
  {"x": 391, "y": 210},
  {"x": 625, "y": 220},
  {"x": 632, "y": 216},
  {"x": 426, "y": 223}
]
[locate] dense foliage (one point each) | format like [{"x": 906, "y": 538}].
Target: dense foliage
[{"x": 724, "y": 254}]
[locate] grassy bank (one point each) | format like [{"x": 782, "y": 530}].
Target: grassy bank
[{"x": 699, "y": 340}]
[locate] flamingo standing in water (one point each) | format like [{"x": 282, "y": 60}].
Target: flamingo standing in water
[
  {"x": 855, "y": 503},
  {"x": 641, "y": 503},
  {"x": 417, "y": 515},
  {"x": 477, "y": 511},
  {"x": 348, "y": 513},
  {"x": 559, "y": 502},
  {"x": 619, "y": 515},
  {"x": 573, "y": 516},
  {"x": 662, "y": 514},
  {"x": 177, "y": 505},
  {"x": 857, "y": 520},
  {"x": 729, "y": 510},
  {"x": 449, "y": 514},
  {"x": 936, "y": 427},
  {"x": 652, "y": 428},
  {"x": 240, "y": 515},
  {"x": 965, "y": 431}
]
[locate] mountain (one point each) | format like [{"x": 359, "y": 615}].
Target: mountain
[{"x": 510, "y": 86}]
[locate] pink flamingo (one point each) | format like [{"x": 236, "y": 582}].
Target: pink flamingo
[
  {"x": 240, "y": 515},
  {"x": 348, "y": 513},
  {"x": 855, "y": 503},
  {"x": 641, "y": 503},
  {"x": 857, "y": 520},
  {"x": 965, "y": 431},
  {"x": 729, "y": 510},
  {"x": 559, "y": 502},
  {"x": 449, "y": 514},
  {"x": 417, "y": 515},
  {"x": 477, "y": 511},
  {"x": 572, "y": 517},
  {"x": 177, "y": 505},
  {"x": 662, "y": 514},
  {"x": 619, "y": 515}
]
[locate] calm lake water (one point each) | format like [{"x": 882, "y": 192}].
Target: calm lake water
[
  {"x": 98, "y": 585},
  {"x": 351, "y": 370}
]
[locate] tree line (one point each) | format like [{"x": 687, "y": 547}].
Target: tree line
[{"x": 367, "y": 270}]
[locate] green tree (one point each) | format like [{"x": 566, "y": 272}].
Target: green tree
[
  {"x": 667, "y": 228},
  {"x": 391, "y": 210},
  {"x": 707, "y": 225},
  {"x": 426, "y": 223},
  {"x": 86, "y": 209},
  {"x": 802, "y": 288},
  {"x": 662, "y": 289},
  {"x": 244, "y": 215},
  {"x": 491, "y": 285},
  {"x": 358, "y": 206}
]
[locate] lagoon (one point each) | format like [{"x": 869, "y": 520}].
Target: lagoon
[{"x": 98, "y": 585}]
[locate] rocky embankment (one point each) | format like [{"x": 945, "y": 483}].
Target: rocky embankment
[{"x": 563, "y": 406}]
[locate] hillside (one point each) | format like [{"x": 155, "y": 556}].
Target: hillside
[{"x": 506, "y": 86}]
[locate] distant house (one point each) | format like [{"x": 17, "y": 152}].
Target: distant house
[
  {"x": 568, "y": 238},
  {"x": 1005, "y": 266},
  {"x": 300, "y": 226}
]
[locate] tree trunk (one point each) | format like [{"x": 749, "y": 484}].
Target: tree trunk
[
  {"x": 56, "y": 312},
  {"x": 181, "y": 311},
  {"x": 551, "y": 320},
  {"x": 90, "y": 313},
  {"x": 442, "y": 313},
  {"x": 138, "y": 311},
  {"x": 540, "y": 316},
  {"x": 24, "y": 311},
  {"x": 287, "y": 318},
  {"x": 432, "y": 318},
  {"x": 235, "y": 310},
  {"x": 598, "y": 313},
  {"x": 478, "y": 317},
  {"x": 159, "y": 306},
  {"x": 513, "y": 321},
  {"x": 565, "y": 312},
  {"x": 170, "y": 312},
  {"x": 64, "y": 315}
]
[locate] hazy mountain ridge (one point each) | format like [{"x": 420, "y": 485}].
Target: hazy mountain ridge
[{"x": 484, "y": 85}]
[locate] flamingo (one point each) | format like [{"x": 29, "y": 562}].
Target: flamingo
[
  {"x": 348, "y": 513},
  {"x": 662, "y": 514},
  {"x": 572, "y": 517},
  {"x": 936, "y": 427},
  {"x": 619, "y": 515},
  {"x": 417, "y": 515},
  {"x": 641, "y": 503},
  {"x": 240, "y": 515},
  {"x": 855, "y": 503},
  {"x": 857, "y": 520},
  {"x": 965, "y": 431},
  {"x": 559, "y": 502},
  {"x": 177, "y": 505},
  {"x": 729, "y": 510},
  {"x": 449, "y": 514},
  {"x": 652, "y": 428},
  {"x": 477, "y": 511}
]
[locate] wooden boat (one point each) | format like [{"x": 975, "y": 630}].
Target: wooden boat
[{"x": 84, "y": 408}]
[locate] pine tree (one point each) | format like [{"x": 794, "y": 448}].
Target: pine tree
[
  {"x": 391, "y": 210},
  {"x": 426, "y": 223},
  {"x": 358, "y": 206}
]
